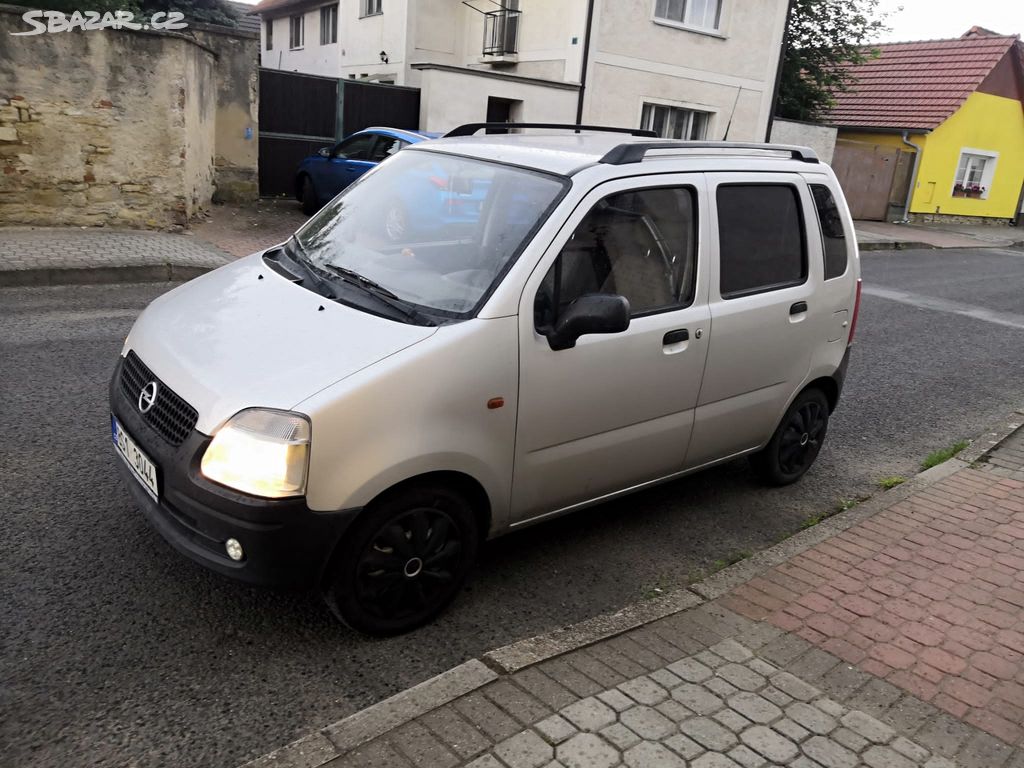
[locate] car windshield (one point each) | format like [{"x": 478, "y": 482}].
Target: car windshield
[{"x": 429, "y": 229}]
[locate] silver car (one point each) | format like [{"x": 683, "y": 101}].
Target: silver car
[{"x": 570, "y": 317}]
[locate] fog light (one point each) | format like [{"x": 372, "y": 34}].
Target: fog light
[{"x": 234, "y": 549}]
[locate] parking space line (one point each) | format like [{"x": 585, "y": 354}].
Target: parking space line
[{"x": 920, "y": 301}]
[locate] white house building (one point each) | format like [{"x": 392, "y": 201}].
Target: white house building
[{"x": 686, "y": 68}]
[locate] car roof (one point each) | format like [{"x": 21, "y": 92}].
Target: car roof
[
  {"x": 567, "y": 153},
  {"x": 401, "y": 133}
]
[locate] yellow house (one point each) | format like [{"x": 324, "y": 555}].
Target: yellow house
[{"x": 958, "y": 107}]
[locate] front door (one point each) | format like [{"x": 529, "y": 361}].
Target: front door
[
  {"x": 349, "y": 160},
  {"x": 616, "y": 410}
]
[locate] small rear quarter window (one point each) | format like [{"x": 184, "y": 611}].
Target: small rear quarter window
[{"x": 832, "y": 235}]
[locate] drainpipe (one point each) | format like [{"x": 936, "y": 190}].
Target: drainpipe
[
  {"x": 1016, "y": 220},
  {"x": 586, "y": 61},
  {"x": 913, "y": 176}
]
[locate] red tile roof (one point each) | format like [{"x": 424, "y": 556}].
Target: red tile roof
[{"x": 918, "y": 85}]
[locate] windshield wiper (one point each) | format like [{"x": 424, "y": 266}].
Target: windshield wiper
[
  {"x": 301, "y": 259},
  {"x": 379, "y": 292}
]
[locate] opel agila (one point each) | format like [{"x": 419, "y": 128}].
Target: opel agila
[{"x": 586, "y": 314}]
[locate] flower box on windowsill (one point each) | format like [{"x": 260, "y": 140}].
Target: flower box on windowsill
[{"x": 975, "y": 191}]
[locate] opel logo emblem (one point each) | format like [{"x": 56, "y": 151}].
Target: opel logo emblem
[{"x": 147, "y": 397}]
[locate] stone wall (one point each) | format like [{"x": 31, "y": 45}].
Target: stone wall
[
  {"x": 236, "y": 144},
  {"x": 820, "y": 138},
  {"x": 112, "y": 126}
]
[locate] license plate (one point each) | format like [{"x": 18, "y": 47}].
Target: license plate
[{"x": 140, "y": 464}]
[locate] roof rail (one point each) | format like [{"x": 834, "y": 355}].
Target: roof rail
[
  {"x": 470, "y": 128},
  {"x": 634, "y": 153}
]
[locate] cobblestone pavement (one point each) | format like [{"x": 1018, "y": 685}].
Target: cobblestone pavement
[
  {"x": 896, "y": 644},
  {"x": 72, "y": 248},
  {"x": 244, "y": 229}
]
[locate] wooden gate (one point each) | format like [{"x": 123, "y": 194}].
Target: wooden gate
[
  {"x": 300, "y": 113},
  {"x": 874, "y": 177}
]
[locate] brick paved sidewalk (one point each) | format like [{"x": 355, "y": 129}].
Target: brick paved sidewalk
[{"x": 897, "y": 643}]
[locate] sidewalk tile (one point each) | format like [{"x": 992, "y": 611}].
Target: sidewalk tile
[
  {"x": 587, "y": 750},
  {"x": 525, "y": 750}
]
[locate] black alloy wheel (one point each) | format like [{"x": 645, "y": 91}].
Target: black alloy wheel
[
  {"x": 404, "y": 562},
  {"x": 797, "y": 441}
]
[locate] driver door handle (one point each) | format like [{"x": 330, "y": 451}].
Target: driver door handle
[
  {"x": 796, "y": 309},
  {"x": 674, "y": 337}
]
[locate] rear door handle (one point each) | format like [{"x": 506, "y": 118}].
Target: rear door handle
[
  {"x": 674, "y": 337},
  {"x": 796, "y": 309}
]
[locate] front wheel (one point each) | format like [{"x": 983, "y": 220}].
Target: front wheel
[
  {"x": 797, "y": 441},
  {"x": 404, "y": 561}
]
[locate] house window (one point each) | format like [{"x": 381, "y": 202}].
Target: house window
[
  {"x": 269, "y": 25},
  {"x": 974, "y": 174},
  {"x": 295, "y": 31},
  {"x": 372, "y": 7},
  {"x": 674, "y": 122},
  {"x": 700, "y": 14},
  {"x": 328, "y": 24}
]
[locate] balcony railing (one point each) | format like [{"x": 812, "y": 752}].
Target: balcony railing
[{"x": 501, "y": 32}]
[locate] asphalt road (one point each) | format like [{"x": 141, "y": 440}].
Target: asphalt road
[{"x": 117, "y": 651}]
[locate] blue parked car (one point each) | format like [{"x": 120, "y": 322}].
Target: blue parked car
[{"x": 322, "y": 176}]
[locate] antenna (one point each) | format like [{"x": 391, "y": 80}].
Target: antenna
[{"x": 734, "y": 103}]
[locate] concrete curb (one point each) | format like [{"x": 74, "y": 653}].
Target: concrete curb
[
  {"x": 345, "y": 735},
  {"x": 142, "y": 273},
  {"x": 895, "y": 245},
  {"x": 367, "y": 724}
]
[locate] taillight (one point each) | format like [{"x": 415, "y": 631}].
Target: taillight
[{"x": 856, "y": 311}]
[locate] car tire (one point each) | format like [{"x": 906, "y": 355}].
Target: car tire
[
  {"x": 309, "y": 206},
  {"x": 797, "y": 441},
  {"x": 396, "y": 223},
  {"x": 403, "y": 561}
]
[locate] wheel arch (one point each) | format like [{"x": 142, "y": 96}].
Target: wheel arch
[
  {"x": 828, "y": 386},
  {"x": 464, "y": 483}
]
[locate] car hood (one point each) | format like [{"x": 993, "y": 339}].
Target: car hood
[{"x": 243, "y": 336}]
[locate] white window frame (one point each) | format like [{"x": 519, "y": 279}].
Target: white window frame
[
  {"x": 689, "y": 25},
  {"x": 329, "y": 32},
  {"x": 709, "y": 119},
  {"x": 370, "y": 8},
  {"x": 987, "y": 175},
  {"x": 301, "y": 17},
  {"x": 268, "y": 35}
]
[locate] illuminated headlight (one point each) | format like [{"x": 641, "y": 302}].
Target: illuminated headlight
[{"x": 261, "y": 452}]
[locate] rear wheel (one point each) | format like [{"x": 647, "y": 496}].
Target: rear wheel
[
  {"x": 797, "y": 441},
  {"x": 404, "y": 561},
  {"x": 309, "y": 201}
]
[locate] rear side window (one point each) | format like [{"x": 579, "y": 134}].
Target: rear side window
[
  {"x": 832, "y": 235},
  {"x": 761, "y": 238}
]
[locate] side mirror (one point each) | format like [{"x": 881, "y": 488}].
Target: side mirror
[
  {"x": 590, "y": 313},
  {"x": 324, "y": 151}
]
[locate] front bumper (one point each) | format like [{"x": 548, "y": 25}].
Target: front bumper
[{"x": 285, "y": 543}]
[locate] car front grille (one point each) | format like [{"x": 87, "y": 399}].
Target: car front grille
[{"x": 170, "y": 416}]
